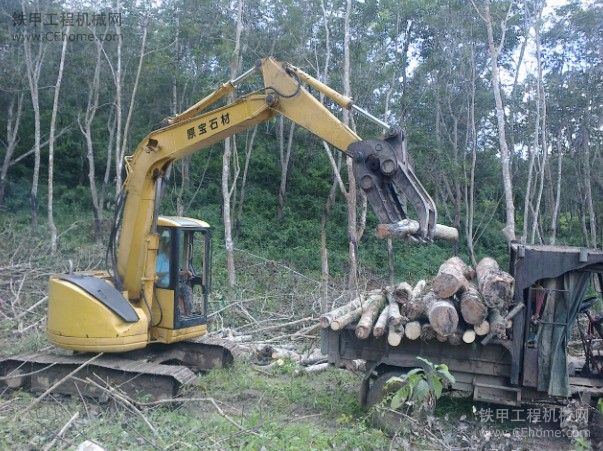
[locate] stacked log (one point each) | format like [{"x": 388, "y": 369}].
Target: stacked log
[
  {"x": 495, "y": 285},
  {"x": 458, "y": 306},
  {"x": 370, "y": 313}
]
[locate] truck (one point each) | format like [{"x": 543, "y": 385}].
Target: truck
[{"x": 532, "y": 364}]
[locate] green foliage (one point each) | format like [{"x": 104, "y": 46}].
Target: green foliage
[{"x": 420, "y": 388}]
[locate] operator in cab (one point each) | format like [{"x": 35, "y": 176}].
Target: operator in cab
[
  {"x": 184, "y": 293},
  {"x": 163, "y": 261}
]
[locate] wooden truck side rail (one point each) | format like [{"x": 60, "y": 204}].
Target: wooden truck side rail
[{"x": 481, "y": 371}]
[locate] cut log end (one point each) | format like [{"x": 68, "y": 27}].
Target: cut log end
[
  {"x": 394, "y": 337},
  {"x": 342, "y": 321},
  {"x": 482, "y": 329},
  {"x": 455, "y": 338},
  {"x": 469, "y": 336},
  {"x": 495, "y": 285},
  {"x": 443, "y": 317},
  {"x": 450, "y": 278},
  {"x": 324, "y": 321},
  {"x": 473, "y": 310},
  {"x": 412, "y": 330}
]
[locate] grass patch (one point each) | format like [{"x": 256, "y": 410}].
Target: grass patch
[{"x": 282, "y": 411}]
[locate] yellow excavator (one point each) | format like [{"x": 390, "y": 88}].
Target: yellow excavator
[{"x": 141, "y": 322}]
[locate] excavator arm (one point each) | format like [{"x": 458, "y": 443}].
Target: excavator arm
[{"x": 381, "y": 167}]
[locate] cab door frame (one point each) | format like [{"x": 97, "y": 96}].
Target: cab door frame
[{"x": 194, "y": 319}]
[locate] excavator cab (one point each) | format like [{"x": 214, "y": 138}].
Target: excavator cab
[{"x": 183, "y": 272}]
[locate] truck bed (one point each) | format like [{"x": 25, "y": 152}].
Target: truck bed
[{"x": 480, "y": 371}]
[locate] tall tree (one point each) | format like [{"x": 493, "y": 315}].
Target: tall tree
[
  {"x": 85, "y": 125},
  {"x": 229, "y": 156},
  {"x": 33, "y": 63},
  {"x": 351, "y": 195},
  {"x": 505, "y": 156},
  {"x": 51, "y": 138}
]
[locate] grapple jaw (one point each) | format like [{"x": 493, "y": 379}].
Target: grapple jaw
[{"x": 383, "y": 171}]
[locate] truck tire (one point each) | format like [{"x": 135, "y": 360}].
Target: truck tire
[
  {"x": 386, "y": 420},
  {"x": 377, "y": 390}
]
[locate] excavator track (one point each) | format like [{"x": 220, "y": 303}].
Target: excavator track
[{"x": 156, "y": 372}]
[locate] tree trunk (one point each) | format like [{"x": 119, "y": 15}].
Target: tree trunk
[
  {"x": 126, "y": 127},
  {"x": 285, "y": 155},
  {"x": 500, "y": 118},
  {"x": 184, "y": 165},
  {"x": 541, "y": 124},
  {"x": 592, "y": 218},
  {"x": 390, "y": 261},
  {"x": 324, "y": 217},
  {"x": 555, "y": 215},
  {"x": 226, "y": 212},
  {"x": 324, "y": 257},
  {"x": 528, "y": 195},
  {"x": 394, "y": 316},
  {"x": 111, "y": 126},
  {"x": 52, "y": 228},
  {"x": 118, "y": 79},
  {"x": 12, "y": 131},
  {"x": 381, "y": 323},
  {"x": 351, "y": 196},
  {"x": 328, "y": 317},
  {"x": 248, "y": 148},
  {"x": 229, "y": 144},
  {"x": 469, "y": 197},
  {"x": 33, "y": 65},
  {"x": 86, "y": 129},
  {"x": 342, "y": 321}
]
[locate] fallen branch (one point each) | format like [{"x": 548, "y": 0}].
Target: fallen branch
[
  {"x": 62, "y": 431},
  {"x": 125, "y": 400},
  {"x": 210, "y": 400},
  {"x": 59, "y": 382}
]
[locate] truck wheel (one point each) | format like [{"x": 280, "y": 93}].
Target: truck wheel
[
  {"x": 377, "y": 390},
  {"x": 386, "y": 420}
]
